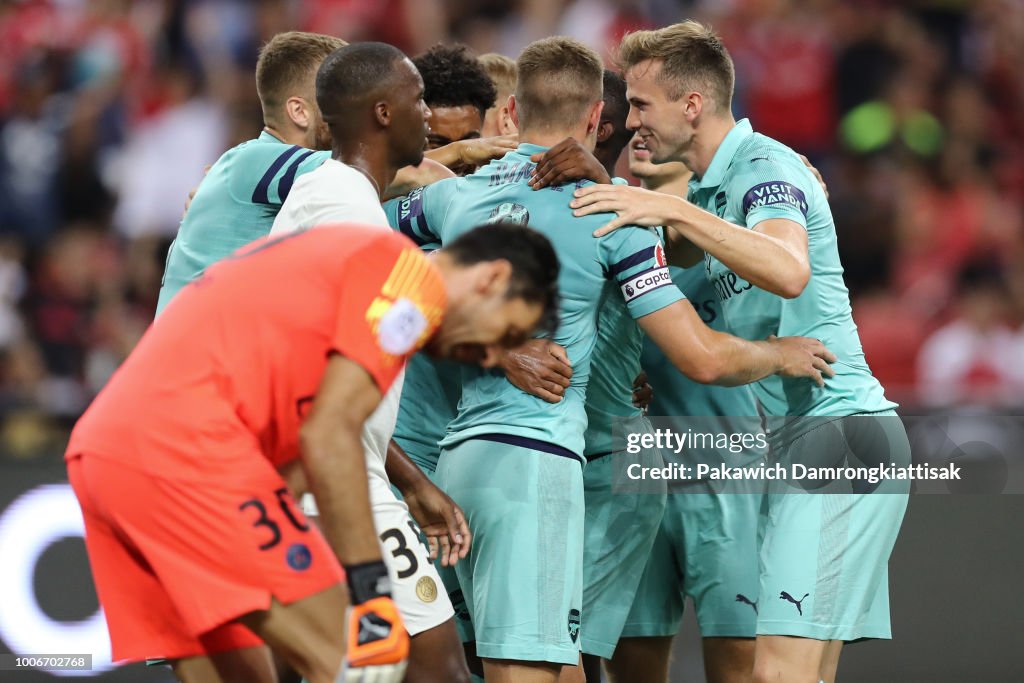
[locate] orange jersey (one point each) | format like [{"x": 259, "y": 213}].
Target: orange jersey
[{"x": 232, "y": 365}]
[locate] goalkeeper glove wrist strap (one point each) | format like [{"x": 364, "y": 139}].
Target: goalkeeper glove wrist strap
[{"x": 368, "y": 580}]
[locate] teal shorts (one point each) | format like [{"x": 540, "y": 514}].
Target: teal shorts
[
  {"x": 706, "y": 548},
  {"x": 619, "y": 532},
  {"x": 825, "y": 555},
  {"x": 523, "y": 578}
]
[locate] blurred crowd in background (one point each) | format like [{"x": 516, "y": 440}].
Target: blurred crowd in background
[{"x": 912, "y": 110}]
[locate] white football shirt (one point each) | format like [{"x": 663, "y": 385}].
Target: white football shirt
[{"x": 334, "y": 193}]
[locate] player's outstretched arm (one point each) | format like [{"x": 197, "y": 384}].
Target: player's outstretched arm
[
  {"x": 439, "y": 518},
  {"x": 410, "y": 177},
  {"x": 474, "y": 152},
  {"x": 772, "y": 256},
  {"x": 711, "y": 357},
  {"x": 539, "y": 367}
]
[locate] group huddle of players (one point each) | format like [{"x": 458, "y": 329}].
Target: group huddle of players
[{"x": 467, "y": 526}]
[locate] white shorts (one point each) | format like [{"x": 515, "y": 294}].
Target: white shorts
[{"x": 415, "y": 584}]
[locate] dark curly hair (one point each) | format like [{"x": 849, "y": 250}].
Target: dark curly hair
[{"x": 453, "y": 77}]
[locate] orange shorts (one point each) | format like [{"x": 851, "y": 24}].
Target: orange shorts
[{"x": 176, "y": 562}]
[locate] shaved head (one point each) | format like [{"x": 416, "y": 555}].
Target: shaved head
[
  {"x": 355, "y": 76},
  {"x": 369, "y": 90}
]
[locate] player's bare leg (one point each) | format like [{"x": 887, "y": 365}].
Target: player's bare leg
[
  {"x": 787, "y": 659},
  {"x": 309, "y": 633},
  {"x": 476, "y": 665},
  {"x": 576, "y": 674},
  {"x": 508, "y": 671},
  {"x": 729, "y": 660},
  {"x": 435, "y": 656},
  {"x": 830, "y": 662},
  {"x": 640, "y": 660},
  {"x": 247, "y": 664}
]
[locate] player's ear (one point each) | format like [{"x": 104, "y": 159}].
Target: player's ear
[
  {"x": 494, "y": 278},
  {"x": 298, "y": 112},
  {"x": 595, "y": 117},
  {"x": 693, "y": 105},
  {"x": 513, "y": 110},
  {"x": 507, "y": 125},
  {"x": 604, "y": 130},
  {"x": 382, "y": 112}
]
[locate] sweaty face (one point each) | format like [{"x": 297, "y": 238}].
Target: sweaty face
[
  {"x": 658, "y": 121},
  {"x": 471, "y": 330},
  {"x": 409, "y": 126},
  {"x": 451, "y": 124}
]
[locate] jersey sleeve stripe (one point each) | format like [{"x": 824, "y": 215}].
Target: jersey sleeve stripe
[
  {"x": 634, "y": 260},
  {"x": 259, "y": 195},
  {"x": 405, "y": 227},
  {"x": 288, "y": 179}
]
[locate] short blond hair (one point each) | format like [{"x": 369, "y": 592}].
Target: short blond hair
[
  {"x": 502, "y": 72},
  {"x": 559, "y": 79},
  {"x": 287, "y": 67},
  {"x": 692, "y": 56}
]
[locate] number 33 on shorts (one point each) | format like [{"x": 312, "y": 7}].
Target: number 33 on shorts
[
  {"x": 415, "y": 584},
  {"x": 404, "y": 549}
]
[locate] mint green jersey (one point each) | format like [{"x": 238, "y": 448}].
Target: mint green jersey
[
  {"x": 623, "y": 264},
  {"x": 614, "y": 365},
  {"x": 677, "y": 395},
  {"x": 753, "y": 178},
  {"x": 430, "y": 400},
  {"x": 235, "y": 204}
]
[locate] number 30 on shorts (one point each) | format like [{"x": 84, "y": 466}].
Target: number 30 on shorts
[{"x": 284, "y": 502}]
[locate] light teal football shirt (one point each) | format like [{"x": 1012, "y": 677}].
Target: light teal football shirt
[
  {"x": 622, "y": 264},
  {"x": 235, "y": 204},
  {"x": 430, "y": 400},
  {"x": 677, "y": 395},
  {"x": 753, "y": 178},
  {"x": 615, "y": 364}
]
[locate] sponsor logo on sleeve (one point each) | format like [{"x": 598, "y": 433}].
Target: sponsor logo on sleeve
[
  {"x": 411, "y": 205},
  {"x": 641, "y": 283},
  {"x": 775, "y": 194}
]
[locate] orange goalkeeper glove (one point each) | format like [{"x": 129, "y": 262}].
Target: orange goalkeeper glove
[{"x": 378, "y": 643}]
